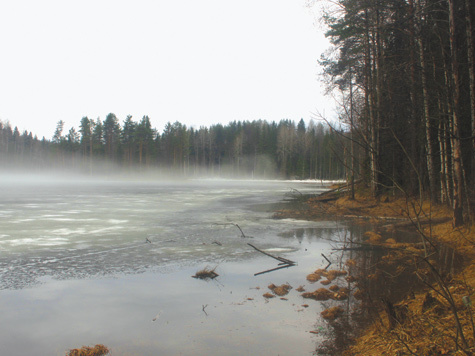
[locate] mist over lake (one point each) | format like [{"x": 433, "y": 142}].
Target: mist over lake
[{"x": 97, "y": 261}]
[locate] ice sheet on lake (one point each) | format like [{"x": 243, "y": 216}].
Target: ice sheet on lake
[{"x": 87, "y": 231}]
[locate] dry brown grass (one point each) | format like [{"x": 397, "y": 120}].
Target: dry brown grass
[
  {"x": 373, "y": 237},
  {"x": 206, "y": 273},
  {"x": 425, "y": 330},
  {"x": 334, "y": 274},
  {"x": 280, "y": 290},
  {"x": 332, "y": 313},
  {"x": 314, "y": 277},
  {"x": 98, "y": 350},
  {"x": 320, "y": 294},
  {"x": 323, "y": 294},
  {"x": 330, "y": 275}
]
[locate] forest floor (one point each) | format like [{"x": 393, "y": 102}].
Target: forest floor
[{"x": 434, "y": 318}]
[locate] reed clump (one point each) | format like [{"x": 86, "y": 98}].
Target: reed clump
[
  {"x": 206, "y": 273},
  {"x": 332, "y": 313},
  {"x": 330, "y": 275},
  {"x": 280, "y": 290},
  {"x": 97, "y": 350},
  {"x": 323, "y": 294},
  {"x": 320, "y": 294}
]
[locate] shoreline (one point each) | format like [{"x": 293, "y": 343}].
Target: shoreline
[{"x": 434, "y": 315}]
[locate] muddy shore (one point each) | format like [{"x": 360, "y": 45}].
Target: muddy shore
[{"x": 414, "y": 295}]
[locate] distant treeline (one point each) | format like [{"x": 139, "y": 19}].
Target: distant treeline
[{"x": 241, "y": 148}]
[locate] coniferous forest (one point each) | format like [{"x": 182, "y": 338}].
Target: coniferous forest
[
  {"x": 239, "y": 149},
  {"x": 404, "y": 70}
]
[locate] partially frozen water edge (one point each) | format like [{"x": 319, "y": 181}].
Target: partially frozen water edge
[{"x": 85, "y": 264}]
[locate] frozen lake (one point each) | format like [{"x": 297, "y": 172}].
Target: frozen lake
[{"x": 76, "y": 267}]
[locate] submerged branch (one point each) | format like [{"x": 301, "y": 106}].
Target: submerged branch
[
  {"x": 274, "y": 269},
  {"x": 284, "y": 263},
  {"x": 242, "y": 232},
  {"x": 281, "y": 259},
  {"x": 329, "y": 262}
]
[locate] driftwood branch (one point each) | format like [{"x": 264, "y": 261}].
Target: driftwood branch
[
  {"x": 274, "y": 269},
  {"x": 284, "y": 263},
  {"x": 329, "y": 262},
  {"x": 242, "y": 232},
  {"x": 281, "y": 259},
  {"x": 293, "y": 193}
]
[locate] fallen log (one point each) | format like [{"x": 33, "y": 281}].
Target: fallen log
[{"x": 332, "y": 194}]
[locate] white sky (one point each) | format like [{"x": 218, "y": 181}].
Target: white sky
[{"x": 199, "y": 62}]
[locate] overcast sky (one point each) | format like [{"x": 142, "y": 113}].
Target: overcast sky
[{"x": 199, "y": 62}]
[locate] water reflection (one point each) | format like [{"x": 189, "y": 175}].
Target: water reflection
[
  {"x": 378, "y": 277},
  {"x": 329, "y": 234}
]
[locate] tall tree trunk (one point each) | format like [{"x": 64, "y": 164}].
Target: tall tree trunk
[
  {"x": 374, "y": 106},
  {"x": 457, "y": 151},
  {"x": 431, "y": 166},
  {"x": 352, "y": 143},
  {"x": 445, "y": 197},
  {"x": 367, "y": 116},
  {"x": 471, "y": 63},
  {"x": 446, "y": 109},
  {"x": 413, "y": 120}
]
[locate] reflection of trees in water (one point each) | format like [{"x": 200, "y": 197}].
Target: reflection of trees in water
[
  {"x": 378, "y": 277},
  {"x": 338, "y": 335},
  {"x": 315, "y": 234},
  {"x": 340, "y": 332},
  {"x": 361, "y": 306},
  {"x": 335, "y": 336},
  {"x": 370, "y": 280}
]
